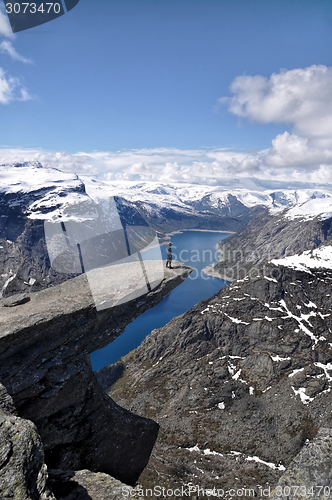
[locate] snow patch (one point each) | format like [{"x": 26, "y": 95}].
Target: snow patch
[
  {"x": 294, "y": 372},
  {"x": 316, "y": 207},
  {"x": 271, "y": 279},
  {"x": 303, "y": 396},
  {"x": 299, "y": 320},
  {"x": 310, "y": 259},
  {"x": 268, "y": 464},
  {"x": 278, "y": 358},
  {"x": 238, "y": 454}
]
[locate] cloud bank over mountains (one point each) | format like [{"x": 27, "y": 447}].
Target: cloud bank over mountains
[
  {"x": 300, "y": 98},
  {"x": 211, "y": 167}
]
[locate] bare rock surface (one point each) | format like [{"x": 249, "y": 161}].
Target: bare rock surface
[
  {"x": 44, "y": 363},
  {"x": 87, "y": 485},
  {"x": 238, "y": 384},
  {"x": 23, "y": 473},
  {"x": 310, "y": 474}
]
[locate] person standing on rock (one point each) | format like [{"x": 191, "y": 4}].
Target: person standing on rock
[{"x": 169, "y": 256}]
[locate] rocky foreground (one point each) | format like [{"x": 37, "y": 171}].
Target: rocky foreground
[
  {"x": 54, "y": 398},
  {"x": 239, "y": 384}
]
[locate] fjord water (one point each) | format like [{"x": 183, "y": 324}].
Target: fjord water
[{"x": 195, "y": 248}]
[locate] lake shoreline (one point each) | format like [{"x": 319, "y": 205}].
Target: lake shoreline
[
  {"x": 180, "y": 231},
  {"x": 208, "y": 270},
  {"x": 199, "y": 252}
]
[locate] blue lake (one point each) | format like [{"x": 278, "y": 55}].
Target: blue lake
[{"x": 195, "y": 248}]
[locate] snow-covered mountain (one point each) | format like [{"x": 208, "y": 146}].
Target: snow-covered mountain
[
  {"x": 32, "y": 196},
  {"x": 319, "y": 258},
  {"x": 48, "y": 193},
  {"x": 167, "y": 207},
  {"x": 311, "y": 208},
  {"x": 299, "y": 237},
  {"x": 52, "y": 230},
  {"x": 38, "y": 192},
  {"x": 184, "y": 197}
]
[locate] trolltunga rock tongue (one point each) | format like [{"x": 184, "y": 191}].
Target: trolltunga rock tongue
[{"x": 44, "y": 363}]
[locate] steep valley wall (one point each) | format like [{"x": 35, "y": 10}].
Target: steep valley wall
[{"x": 45, "y": 341}]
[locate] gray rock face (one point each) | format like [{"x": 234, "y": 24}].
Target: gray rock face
[
  {"x": 268, "y": 237},
  {"x": 310, "y": 473},
  {"x": 87, "y": 485},
  {"x": 244, "y": 378},
  {"x": 44, "y": 363},
  {"x": 200, "y": 216},
  {"x": 23, "y": 473}
]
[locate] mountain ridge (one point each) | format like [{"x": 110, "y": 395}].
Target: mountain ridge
[
  {"x": 245, "y": 373},
  {"x": 238, "y": 384}
]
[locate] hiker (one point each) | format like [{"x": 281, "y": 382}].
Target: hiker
[{"x": 169, "y": 256}]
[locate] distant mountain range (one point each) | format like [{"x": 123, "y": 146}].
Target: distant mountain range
[
  {"x": 45, "y": 193},
  {"x": 178, "y": 206},
  {"x": 32, "y": 196},
  {"x": 298, "y": 237}
]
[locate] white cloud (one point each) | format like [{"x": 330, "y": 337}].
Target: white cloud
[
  {"x": 80, "y": 163},
  {"x": 271, "y": 168},
  {"x": 25, "y": 95},
  {"x": 7, "y": 86},
  {"x": 7, "y": 47},
  {"x": 300, "y": 97},
  {"x": 5, "y": 29},
  {"x": 11, "y": 89},
  {"x": 290, "y": 150}
]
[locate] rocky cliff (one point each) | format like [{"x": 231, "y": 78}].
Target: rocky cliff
[
  {"x": 310, "y": 473},
  {"x": 45, "y": 341},
  {"x": 23, "y": 473},
  {"x": 268, "y": 237},
  {"x": 238, "y": 384}
]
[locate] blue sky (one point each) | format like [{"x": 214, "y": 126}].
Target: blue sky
[{"x": 129, "y": 88}]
